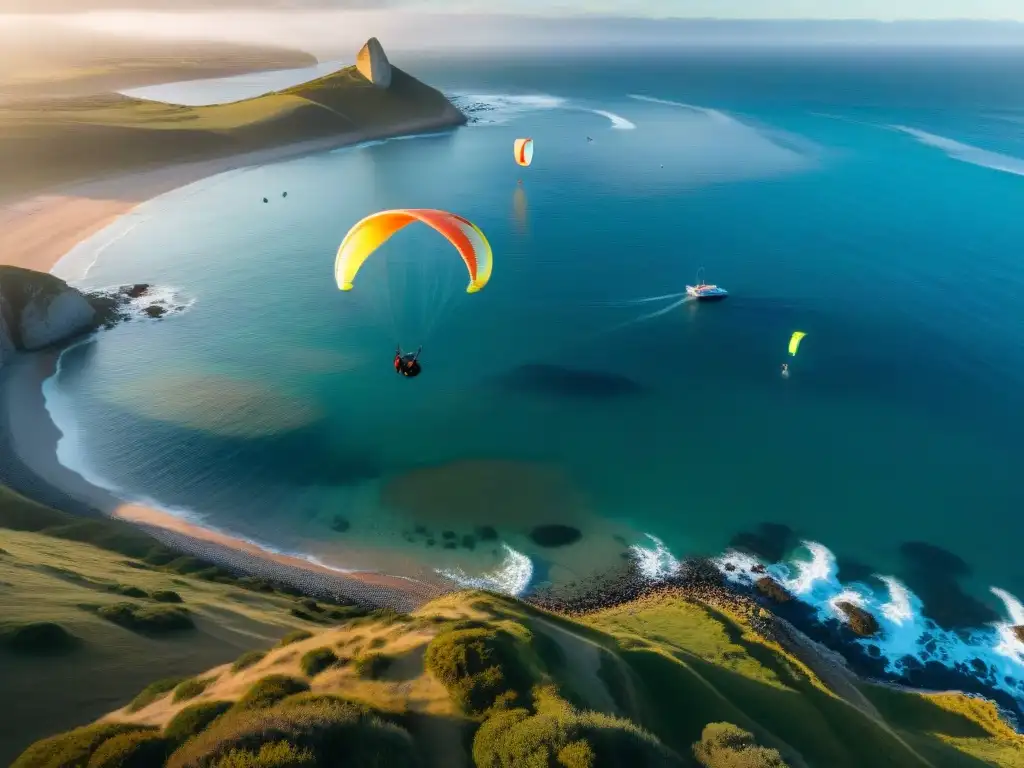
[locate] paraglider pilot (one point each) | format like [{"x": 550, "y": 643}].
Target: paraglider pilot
[{"x": 407, "y": 364}]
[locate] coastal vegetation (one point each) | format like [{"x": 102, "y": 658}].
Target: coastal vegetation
[
  {"x": 478, "y": 679},
  {"x": 61, "y": 139}
]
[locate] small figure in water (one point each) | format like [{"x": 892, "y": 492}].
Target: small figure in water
[
  {"x": 284, "y": 194},
  {"x": 407, "y": 364},
  {"x": 785, "y": 370},
  {"x": 264, "y": 200}
]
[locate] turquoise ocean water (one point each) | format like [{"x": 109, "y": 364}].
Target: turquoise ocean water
[{"x": 871, "y": 199}]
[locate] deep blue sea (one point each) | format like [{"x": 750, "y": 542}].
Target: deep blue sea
[{"x": 872, "y": 199}]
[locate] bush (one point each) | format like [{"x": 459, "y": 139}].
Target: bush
[
  {"x": 166, "y": 596},
  {"x": 278, "y": 754},
  {"x": 139, "y": 749},
  {"x": 246, "y": 660},
  {"x": 270, "y": 690},
  {"x": 194, "y": 719},
  {"x": 481, "y": 668},
  {"x": 346, "y": 612},
  {"x": 294, "y": 637},
  {"x": 150, "y": 619},
  {"x": 337, "y": 735},
  {"x": 191, "y": 688},
  {"x": 40, "y": 637},
  {"x": 579, "y": 740},
  {"x": 154, "y": 691},
  {"x": 724, "y": 745},
  {"x": 372, "y": 665},
  {"x": 74, "y": 748},
  {"x": 316, "y": 661}
]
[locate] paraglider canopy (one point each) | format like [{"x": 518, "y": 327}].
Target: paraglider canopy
[
  {"x": 376, "y": 229},
  {"x": 524, "y": 151},
  {"x": 794, "y": 341}
]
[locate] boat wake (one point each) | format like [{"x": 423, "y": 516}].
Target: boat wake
[{"x": 499, "y": 109}]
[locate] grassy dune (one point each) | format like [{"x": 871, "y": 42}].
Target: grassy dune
[
  {"x": 475, "y": 679},
  {"x": 57, "y": 140}
]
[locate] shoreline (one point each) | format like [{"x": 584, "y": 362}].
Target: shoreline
[{"x": 37, "y": 232}]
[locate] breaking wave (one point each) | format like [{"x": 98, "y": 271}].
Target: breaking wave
[{"x": 512, "y": 577}]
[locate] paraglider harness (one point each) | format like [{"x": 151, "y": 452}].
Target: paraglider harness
[{"x": 407, "y": 365}]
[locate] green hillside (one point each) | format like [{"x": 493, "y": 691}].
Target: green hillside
[
  {"x": 58, "y": 140},
  {"x": 471, "y": 679}
]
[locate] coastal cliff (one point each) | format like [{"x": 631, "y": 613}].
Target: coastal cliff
[
  {"x": 38, "y": 310},
  {"x": 107, "y": 134}
]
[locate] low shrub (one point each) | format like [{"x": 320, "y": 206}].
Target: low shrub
[
  {"x": 337, "y": 735},
  {"x": 269, "y": 690},
  {"x": 482, "y": 668},
  {"x": 579, "y": 740},
  {"x": 74, "y": 748},
  {"x": 154, "y": 691},
  {"x": 277, "y": 754},
  {"x": 166, "y": 596},
  {"x": 149, "y": 619},
  {"x": 191, "y": 688},
  {"x": 724, "y": 745},
  {"x": 294, "y": 637},
  {"x": 316, "y": 661},
  {"x": 138, "y": 749},
  {"x": 194, "y": 719},
  {"x": 246, "y": 660},
  {"x": 40, "y": 637},
  {"x": 372, "y": 665}
]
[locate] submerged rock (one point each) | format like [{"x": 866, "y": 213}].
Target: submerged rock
[
  {"x": 38, "y": 310},
  {"x": 552, "y": 536},
  {"x": 340, "y": 524},
  {"x": 861, "y": 622},
  {"x": 559, "y": 381},
  {"x": 155, "y": 310},
  {"x": 486, "y": 533},
  {"x": 771, "y": 589}
]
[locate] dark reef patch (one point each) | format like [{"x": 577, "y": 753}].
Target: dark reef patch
[
  {"x": 769, "y": 541},
  {"x": 551, "y": 536},
  {"x": 934, "y": 575},
  {"x": 852, "y": 570},
  {"x": 558, "y": 381}
]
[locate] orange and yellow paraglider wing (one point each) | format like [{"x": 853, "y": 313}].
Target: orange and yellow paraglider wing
[
  {"x": 524, "y": 151},
  {"x": 363, "y": 239},
  {"x": 373, "y": 231}
]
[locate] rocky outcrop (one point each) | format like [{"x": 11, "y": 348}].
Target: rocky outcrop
[
  {"x": 771, "y": 589},
  {"x": 38, "y": 310},
  {"x": 858, "y": 620},
  {"x": 372, "y": 63},
  {"x": 1018, "y": 631}
]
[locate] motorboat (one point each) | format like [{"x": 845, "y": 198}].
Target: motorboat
[{"x": 704, "y": 291}]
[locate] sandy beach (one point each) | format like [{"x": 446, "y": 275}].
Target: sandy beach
[{"x": 35, "y": 233}]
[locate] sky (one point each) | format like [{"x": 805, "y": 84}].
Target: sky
[{"x": 886, "y": 10}]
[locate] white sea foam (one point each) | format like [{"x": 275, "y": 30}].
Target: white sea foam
[
  {"x": 512, "y": 577},
  {"x": 966, "y": 153},
  {"x": 501, "y": 108},
  {"x": 905, "y": 631}
]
